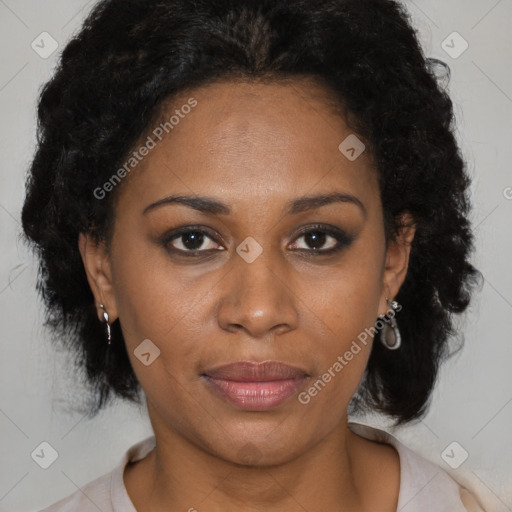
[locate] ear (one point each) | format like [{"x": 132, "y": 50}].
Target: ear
[
  {"x": 397, "y": 261},
  {"x": 99, "y": 274}
]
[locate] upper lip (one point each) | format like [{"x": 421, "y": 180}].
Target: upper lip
[{"x": 248, "y": 371}]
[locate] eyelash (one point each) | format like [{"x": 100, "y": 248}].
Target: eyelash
[{"x": 342, "y": 238}]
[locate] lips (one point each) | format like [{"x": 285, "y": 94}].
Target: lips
[
  {"x": 255, "y": 386},
  {"x": 247, "y": 371}
]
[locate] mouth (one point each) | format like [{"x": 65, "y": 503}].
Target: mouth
[{"x": 255, "y": 386}]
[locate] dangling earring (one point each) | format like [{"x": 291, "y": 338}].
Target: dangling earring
[
  {"x": 105, "y": 318},
  {"x": 390, "y": 335}
]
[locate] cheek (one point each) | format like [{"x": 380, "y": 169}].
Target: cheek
[
  {"x": 163, "y": 309},
  {"x": 341, "y": 317},
  {"x": 158, "y": 303},
  {"x": 348, "y": 299},
  {"x": 341, "y": 348}
]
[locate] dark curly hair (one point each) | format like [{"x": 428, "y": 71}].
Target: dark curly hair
[{"x": 133, "y": 56}]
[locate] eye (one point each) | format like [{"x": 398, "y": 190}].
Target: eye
[
  {"x": 192, "y": 240},
  {"x": 331, "y": 239}
]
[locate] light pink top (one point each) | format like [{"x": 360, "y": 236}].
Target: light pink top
[{"x": 424, "y": 486}]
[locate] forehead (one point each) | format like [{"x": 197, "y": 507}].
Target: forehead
[{"x": 251, "y": 142}]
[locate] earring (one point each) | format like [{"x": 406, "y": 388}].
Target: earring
[
  {"x": 390, "y": 335},
  {"x": 107, "y": 324}
]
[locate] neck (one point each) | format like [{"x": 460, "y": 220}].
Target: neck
[{"x": 178, "y": 475}]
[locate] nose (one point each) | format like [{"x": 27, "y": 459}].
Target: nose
[{"x": 258, "y": 297}]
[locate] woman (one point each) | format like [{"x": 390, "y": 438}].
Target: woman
[{"x": 256, "y": 214}]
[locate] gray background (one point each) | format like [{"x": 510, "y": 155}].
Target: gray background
[{"x": 473, "y": 402}]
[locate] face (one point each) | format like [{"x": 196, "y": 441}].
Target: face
[{"x": 254, "y": 272}]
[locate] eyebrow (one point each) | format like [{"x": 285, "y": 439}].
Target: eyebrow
[{"x": 212, "y": 206}]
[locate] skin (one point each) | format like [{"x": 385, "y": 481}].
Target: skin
[{"x": 255, "y": 147}]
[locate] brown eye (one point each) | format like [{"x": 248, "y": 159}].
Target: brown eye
[
  {"x": 190, "y": 240},
  {"x": 317, "y": 238}
]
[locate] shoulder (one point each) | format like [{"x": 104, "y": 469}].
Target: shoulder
[
  {"x": 107, "y": 492},
  {"x": 92, "y": 497},
  {"x": 424, "y": 486}
]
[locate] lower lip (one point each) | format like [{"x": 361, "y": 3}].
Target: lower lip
[{"x": 255, "y": 396}]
